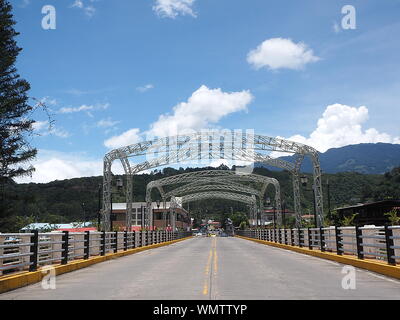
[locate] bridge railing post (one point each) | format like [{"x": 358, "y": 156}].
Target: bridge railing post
[
  {"x": 292, "y": 237},
  {"x": 322, "y": 239},
  {"x": 125, "y": 240},
  {"x": 65, "y": 247},
  {"x": 390, "y": 252},
  {"x": 360, "y": 253},
  {"x": 309, "y": 239},
  {"x": 103, "y": 243},
  {"x": 135, "y": 239},
  {"x": 34, "y": 251},
  {"x": 115, "y": 241},
  {"x": 300, "y": 238},
  {"x": 86, "y": 250},
  {"x": 338, "y": 237}
]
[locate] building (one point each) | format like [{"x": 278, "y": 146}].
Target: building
[
  {"x": 270, "y": 214},
  {"x": 370, "y": 213},
  {"x": 161, "y": 215}
]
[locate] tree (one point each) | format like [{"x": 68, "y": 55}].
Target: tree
[
  {"x": 393, "y": 218},
  {"x": 15, "y": 122}
]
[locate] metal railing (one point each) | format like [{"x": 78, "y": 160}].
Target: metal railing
[
  {"x": 28, "y": 251},
  {"x": 369, "y": 242}
]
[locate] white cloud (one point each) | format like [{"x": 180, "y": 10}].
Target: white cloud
[
  {"x": 205, "y": 106},
  {"x": 43, "y": 128},
  {"x": 77, "y": 4},
  {"x": 145, "y": 88},
  {"x": 172, "y": 8},
  {"x": 40, "y": 125},
  {"x": 341, "y": 125},
  {"x": 336, "y": 27},
  {"x": 89, "y": 10},
  {"x": 128, "y": 137},
  {"x": 52, "y": 165},
  {"x": 84, "y": 107},
  {"x": 25, "y": 3},
  {"x": 106, "y": 123},
  {"x": 278, "y": 53}
]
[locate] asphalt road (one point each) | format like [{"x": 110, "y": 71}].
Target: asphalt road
[{"x": 213, "y": 268}]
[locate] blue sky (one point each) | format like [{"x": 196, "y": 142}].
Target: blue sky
[{"x": 110, "y": 69}]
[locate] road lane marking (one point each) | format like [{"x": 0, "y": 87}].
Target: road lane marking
[
  {"x": 207, "y": 271},
  {"x": 211, "y": 267},
  {"x": 215, "y": 258}
]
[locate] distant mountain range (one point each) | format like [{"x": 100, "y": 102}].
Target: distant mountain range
[{"x": 367, "y": 158}]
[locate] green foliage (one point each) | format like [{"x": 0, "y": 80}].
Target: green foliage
[
  {"x": 237, "y": 218},
  {"x": 393, "y": 218},
  {"x": 15, "y": 110},
  {"x": 307, "y": 223},
  {"x": 243, "y": 225},
  {"x": 349, "y": 220}
]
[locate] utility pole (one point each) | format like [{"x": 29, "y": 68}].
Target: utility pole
[
  {"x": 84, "y": 215},
  {"x": 99, "y": 208},
  {"x": 329, "y": 199},
  {"x": 111, "y": 212}
]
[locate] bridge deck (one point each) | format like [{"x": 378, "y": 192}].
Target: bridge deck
[{"x": 213, "y": 268}]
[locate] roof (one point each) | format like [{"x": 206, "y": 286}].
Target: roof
[
  {"x": 382, "y": 202},
  {"x": 58, "y": 226}
]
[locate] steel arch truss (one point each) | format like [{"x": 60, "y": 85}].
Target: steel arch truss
[
  {"x": 217, "y": 180},
  {"x": 220, "y": 195},
  {"x": 210, "y": 145}
]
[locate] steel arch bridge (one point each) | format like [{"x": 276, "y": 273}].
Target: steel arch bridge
[
  {"x": 217, "y": 180},
  {"x": 210, "y": 145},
  {"x": 197, "y": 196}
]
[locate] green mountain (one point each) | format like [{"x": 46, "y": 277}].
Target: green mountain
[{"x": 367, "y": 158}]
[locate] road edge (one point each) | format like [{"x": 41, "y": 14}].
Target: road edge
[
  {"x": 370, "y": 265},
  {"x": 15, "y": 281}
]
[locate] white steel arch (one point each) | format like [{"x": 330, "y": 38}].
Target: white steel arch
[{"x": 228, "y": 145}]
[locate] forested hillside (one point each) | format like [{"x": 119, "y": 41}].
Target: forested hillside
[
  {"x": 77, "y": 199},
  {"x": 367, "y": 158}
]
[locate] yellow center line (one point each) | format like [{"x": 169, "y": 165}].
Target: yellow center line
[
  {"x": 212, "y": 261},
  {"x": 206, "y": 272},
  {"x": 215, "y": 258}
]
